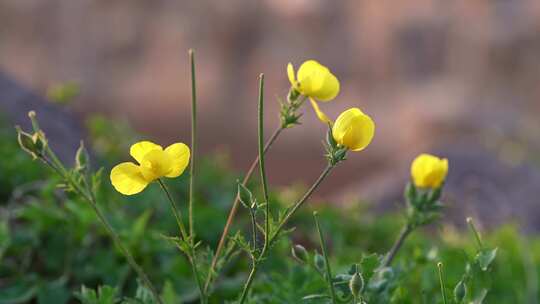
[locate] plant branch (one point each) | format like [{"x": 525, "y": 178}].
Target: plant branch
[
  {"x": 325, "y": 255},
  {"x": 193, "y": 144},
  {"x": 184, "y": 235},
  {"x": 407, "y": 229},
  {"x": 234, "y": 209},
  {"x": 443, "y": 284},
  {"x": 262, "y": 170},
  {"x": 281, "y": 225},
  {"x": 59, "y": 168}
]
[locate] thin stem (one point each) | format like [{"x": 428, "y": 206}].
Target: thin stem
[
  {"x": 443, "y": 284},
  {"x": 281, "y": 225},
  {"x": 253, "y": 229},
  {"x": 325, "y": 255},
  {"x": 177, "y": 213},
  {"x": 108, "y": 228},
  {"x": 193, "y": 144},
  {"x": 261, "y": 162},
  {"x": 397, "y": 245},
  {"x": 299, "y": 204},
  {"x": 248, "y": 283},
  {"x": 475, "y": 233},
  {"x": 186, "y": 237},
  {"x": 234, "y": 209}
]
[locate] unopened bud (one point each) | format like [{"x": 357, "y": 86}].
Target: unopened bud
[
  {"x": 26, "y": 142},
  {"x": 460, "y": 291},
  {"x": 356, "y": 284},
  {"x": 81, "y": 158},
  {"x": 319, "y": 261},
  {"x": 300, "y": 253}
]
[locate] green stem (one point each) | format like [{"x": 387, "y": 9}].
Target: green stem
[
  {"x": 193, "y": 144},
  {"x": 475, "y": 233},
  {"x": 443, "y": 284},
  {"x": 299, "y": 204},
  {"x": 283, "y": 222},
  {"x": 253, "y": 229},
  {"x": 248, "y": 283},
  {"x": 407, "y": 229},
  {"x": 104, "y": 222},
  {"x": 325, "y": 255},
  {"x": 183, "y": 233},
  {"x": 234, "y": 209},
  {"x": 176, "y": 212},
  {"x": 261, "y": 162}
]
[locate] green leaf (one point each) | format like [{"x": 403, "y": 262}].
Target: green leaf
[
  {"x": 55, "y": 292},
  {"x": 368, "y": 264},
  {"x": 169, "y": 294},
  {"x": 245, "y": 196}
]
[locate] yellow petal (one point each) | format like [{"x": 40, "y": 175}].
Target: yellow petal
[
  {"x": 140, "y": 149},
  {"x": 127, "y": 178},
  {"x": 320, "y": 114},
  {"x": 353, "y": 129},
  {"x": 429, "y": 171},
  {"x": 179, "y": 154},
  {"x": 156, "y": 164},
  {"x": 290, "y": 74},
  {"x": 330, "y": 88},
  {"x": 316, "y": 80}
]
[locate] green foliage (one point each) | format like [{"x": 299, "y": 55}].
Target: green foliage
[{"x": 52, "y": 249}]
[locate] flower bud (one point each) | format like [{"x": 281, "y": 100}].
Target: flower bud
[
  {"x": 429, "y": 171},
  {"x": 26, "y": 142},
  {"x": 81, "y": 158},
  {"x": 300, "y": 253},
  {"x": 353, "y": 129},
  {"x": 356, "y": 284},
  {"x": 319, "y": 261},
  {"x": 460, "y": 291}
]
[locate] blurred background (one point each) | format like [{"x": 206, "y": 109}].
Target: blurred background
[{"x": 456, "y": 78}]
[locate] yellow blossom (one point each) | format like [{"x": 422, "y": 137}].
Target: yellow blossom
[
  {"x": 353, "y": 129},
  {"x": 153, "y": 162},
  {"x": 429, "y": 171},
  {"x": 315, "y": 81}
]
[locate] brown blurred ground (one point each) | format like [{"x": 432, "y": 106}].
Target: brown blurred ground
[{"x": 433, "y": 74}]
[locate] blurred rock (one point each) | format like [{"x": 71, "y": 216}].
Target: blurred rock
[{"x": 61, "y": 127}]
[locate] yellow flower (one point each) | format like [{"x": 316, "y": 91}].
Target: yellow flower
[
  {"x": 154, "y": 162},
  {"x": 353, "y": 129},
  {"x": 315, "y": 81},
  {"x": 429, "y": 171}
]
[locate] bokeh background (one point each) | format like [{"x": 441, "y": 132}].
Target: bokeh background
[{"x": 455, "y": 78}]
